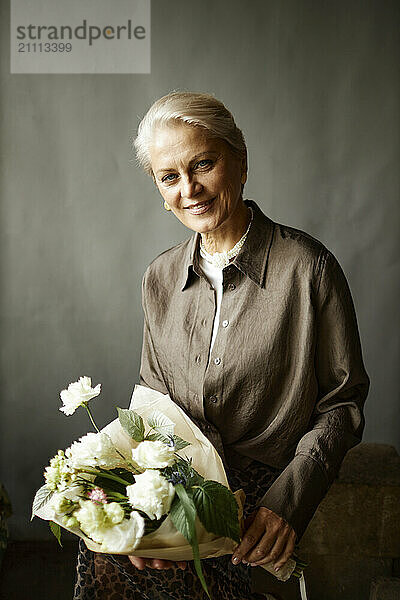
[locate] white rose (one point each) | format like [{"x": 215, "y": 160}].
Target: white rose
[
  {"x": 92, "y": 450},
  {"x": 78, "y": 393},
  {"x": 125, "y": 536},
  {"x": 151, "y": 493},
  {"x": 153, "y": 455}
]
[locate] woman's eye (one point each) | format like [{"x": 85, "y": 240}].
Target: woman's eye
[
  {"x": 168, "y": 178},
  {"x": 206, "y": 162}
]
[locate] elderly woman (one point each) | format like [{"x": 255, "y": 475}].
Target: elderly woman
[{"x": 249, "y": 326}]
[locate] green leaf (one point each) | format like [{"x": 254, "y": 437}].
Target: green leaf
[
  {"x": 108, "y": 484},
  {"x": 183, "y": 515},
  {"x": 103, "y": 481},
  {"x": 160, "y": 423},
  {"x": 160, "y": 437},
  {"x": 180, "y": 444},
  {"x": 182, "y": 472},
  {"x": 41, "y": 498},
  {"x": 56, "y": 531},
  {"x": 132, "y": 423},
  {"x": 184, "y": 466},
  {"x": 217, "y": 509},
  {"x": 157, "y": 437}
]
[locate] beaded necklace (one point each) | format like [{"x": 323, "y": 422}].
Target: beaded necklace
[{"x": 220, "y": 260}]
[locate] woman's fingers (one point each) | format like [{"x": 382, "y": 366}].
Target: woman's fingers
[
  {"x": 272, "y": 543},
  {"x": 155, "y": 563},
  {"x": 269, "y": 538},
  {"x": 250, "y": 539},
  {"x": 281, "y": 551},
  {"x": 265, "y": 550},
  {"x": 139, "y": 563},
  {"x": 287, "y": 552}
]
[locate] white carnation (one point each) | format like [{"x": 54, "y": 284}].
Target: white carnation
[
  {"x": 153, "y": 455},
  {"x": 114, "y": 512},
  {"x": 70, "y": 522},
  {"x": 92, "y": 450},
  {"x": 63, "y": 504},
  {"x": 151, "y": 493},
  {"x": 78, "y": 393},
  {"x": 92, "y": 519},
  {"x": 106, "y": 525},
  {"x": 125, "y": 536},
  {"x": 60, "y": 504}
]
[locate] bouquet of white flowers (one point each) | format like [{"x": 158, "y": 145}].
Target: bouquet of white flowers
[{"x": 130, "y": 488}]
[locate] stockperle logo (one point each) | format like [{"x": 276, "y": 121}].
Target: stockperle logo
[{"x": 80, "y": 36}]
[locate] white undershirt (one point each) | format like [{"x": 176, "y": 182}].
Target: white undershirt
[{"x": 215, "y": 277}]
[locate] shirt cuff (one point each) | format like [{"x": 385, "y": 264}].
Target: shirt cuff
[{"x": 297, "y": 492}]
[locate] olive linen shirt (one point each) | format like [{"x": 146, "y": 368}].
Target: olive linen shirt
[{"x": 285, "y": 382}]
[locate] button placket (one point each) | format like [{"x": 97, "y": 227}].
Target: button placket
[
  {"x": 219, "y": 349},
  {"x": 199, "y": 344}
]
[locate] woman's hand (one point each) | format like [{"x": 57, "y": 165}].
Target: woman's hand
[
  {"x": 155, "y": 563},
  {"x": 268, "y": 538}
]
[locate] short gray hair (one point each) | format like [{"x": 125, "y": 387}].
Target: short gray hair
[{"x": 191, "y": 108}]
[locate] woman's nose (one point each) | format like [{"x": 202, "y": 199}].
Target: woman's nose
[{"x": 190, "y": 187}]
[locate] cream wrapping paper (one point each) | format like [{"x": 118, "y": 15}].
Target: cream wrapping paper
[{"x": 166, "y": 542}]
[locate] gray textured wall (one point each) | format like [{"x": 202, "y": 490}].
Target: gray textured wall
[{"x": 314, "y": 86}]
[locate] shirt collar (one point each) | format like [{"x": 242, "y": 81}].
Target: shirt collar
[{"x": 252, "y": 259}]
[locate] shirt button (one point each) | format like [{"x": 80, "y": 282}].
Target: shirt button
[
  {"x": 225, "y": 323},
  {"x": 217, "y": 361},
  {"x": 213, "y": 399},
  {"x": 198, "y": 359},
  {"x": 231, "y": 287},
  {"x": 204, "y": 322}
]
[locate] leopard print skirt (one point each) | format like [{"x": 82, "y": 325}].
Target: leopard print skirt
[{"x": 112, "y": 577}]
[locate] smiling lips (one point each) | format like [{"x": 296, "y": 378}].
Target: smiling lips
[{"x": 200, "y": 207}]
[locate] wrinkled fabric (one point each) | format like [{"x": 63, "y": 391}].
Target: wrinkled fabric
[{"x": 285, "y": 383}]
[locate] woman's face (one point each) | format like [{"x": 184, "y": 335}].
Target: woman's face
[{"x": 198, "y": 176}]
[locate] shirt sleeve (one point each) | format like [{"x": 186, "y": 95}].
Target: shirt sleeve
[
  {"x": 150, "y": 372},
  {"x": 337, "y": 422}
]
